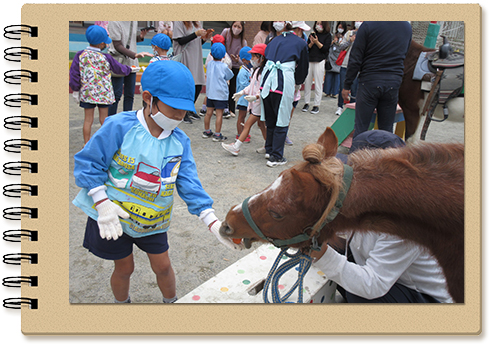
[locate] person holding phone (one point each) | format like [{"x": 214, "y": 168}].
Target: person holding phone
[{"x": 318, "y": 46}]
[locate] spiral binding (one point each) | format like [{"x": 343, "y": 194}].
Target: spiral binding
[
  {"x": 15, "y": 77},
  {"x": 15, "y": 122}
]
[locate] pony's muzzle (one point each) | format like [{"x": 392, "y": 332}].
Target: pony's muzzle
[{"x": 225, "y": 230}]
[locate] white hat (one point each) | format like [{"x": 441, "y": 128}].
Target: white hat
[{"x": 301, "y": 25}]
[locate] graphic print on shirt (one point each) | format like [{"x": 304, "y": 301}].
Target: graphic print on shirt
[{"x": 145, "y": 183}]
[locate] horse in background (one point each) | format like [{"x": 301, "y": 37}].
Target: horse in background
[{"x": 414, "y": 192}]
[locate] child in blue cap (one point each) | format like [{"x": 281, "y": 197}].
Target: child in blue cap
[
  {"x": 160, "y": 43},
  {"x": 90, "y": 77},
  {"x": 217, "y": 77},
  {"x": 243, "y": 81},
  {"x": 128, "y": 172}
]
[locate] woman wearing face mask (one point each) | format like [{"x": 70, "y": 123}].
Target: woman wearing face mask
[
  {"x": 234, "y": 42},
  {"x": 285, "y": 71},
  {"x": 337, "y": 39},
  {"x": 277, "y": 28},
  {"x": 318, "y": 46}
]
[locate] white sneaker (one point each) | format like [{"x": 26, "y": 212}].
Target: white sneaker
[
  {"x": 339, "y": 111},
  {"x": 230, "y": 148},
  {"x": 276, "y": 162},
  {"x": 260, "y": 150}
]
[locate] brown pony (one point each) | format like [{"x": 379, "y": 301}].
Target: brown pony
[
  {"x": 410, "y": 95},
  {"x": 414, "y": 192}
]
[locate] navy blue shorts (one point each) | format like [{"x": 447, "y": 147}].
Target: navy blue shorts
[
  {"x": 241, "y": 107},
  {"x": 295, "y": 103},
  {"x": 87, "y": 105},
  {"x": 217, "y": 104},
  {"x": 123, "y": 246}
]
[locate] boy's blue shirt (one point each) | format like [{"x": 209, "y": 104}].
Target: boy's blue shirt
[
  {"x": 140, "y": 173},
  {"x": 242, "y": 81},
  {"x": 217, "y": 75}
]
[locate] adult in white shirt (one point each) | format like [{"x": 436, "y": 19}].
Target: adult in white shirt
[{"x": 381, "y": 268}]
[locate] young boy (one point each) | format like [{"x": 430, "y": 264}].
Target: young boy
[
  {"x": 90, "y": 77},
  {"x": 160, "y": 43},
  {"x": 129, "y": 170},
  {"x": 218, "y": 75},
  {"x": 243, "y": 81}
]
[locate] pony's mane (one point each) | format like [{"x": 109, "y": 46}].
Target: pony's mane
[{"x": 327, "y": 171}]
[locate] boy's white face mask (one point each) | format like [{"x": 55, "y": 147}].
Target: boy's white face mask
[{"x": 163, "y": 121}]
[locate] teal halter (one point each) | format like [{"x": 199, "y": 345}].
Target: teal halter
[{"x": 347, "y": 179}]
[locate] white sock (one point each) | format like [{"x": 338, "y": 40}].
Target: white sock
[
  {"x": 169, "y": 301},
  {"x": 238, "y": 144},
  {"x": 127, "y": 301}
]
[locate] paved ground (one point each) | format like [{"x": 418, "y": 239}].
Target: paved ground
[{"x": 195, "y": 253}]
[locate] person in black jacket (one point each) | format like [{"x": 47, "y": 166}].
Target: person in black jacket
[
  {"x": 318, "y": 46},
  {"x": 377, "y": 55}
]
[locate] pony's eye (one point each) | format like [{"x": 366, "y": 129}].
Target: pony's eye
[{"x": 275, "y": 215}]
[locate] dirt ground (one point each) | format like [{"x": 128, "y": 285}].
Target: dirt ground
[{"x": 195, "y": 253}]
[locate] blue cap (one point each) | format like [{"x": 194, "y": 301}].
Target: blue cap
[
  {"x": 218, "y": 50},
  {"x": 171, "y": 82},
  {"x": 376, "y": 139},
  {"x": 161, "y": 41},
  {"x": 95, "y": 35},
  {"x": 244, "y": 53},
  {"x": 371, "y": 140}
]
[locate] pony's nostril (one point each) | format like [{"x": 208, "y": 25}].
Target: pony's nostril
[{"x": 225, "y": 230}]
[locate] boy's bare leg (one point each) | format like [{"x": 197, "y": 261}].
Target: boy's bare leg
[
  {"x": 120, "y": 277},
  {"x": 241, "y": 120},
  {"x": 207, "y": 118},
  {"x": 87, "y": 123},
  {"x": 219, "y": 120},
  {"x": 160, "y": 264}
]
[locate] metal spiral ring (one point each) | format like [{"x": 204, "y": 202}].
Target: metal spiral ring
[
  {"x": 15, "y": 53},
  {"x": 16, "y": 258},
  {"x": 14, "y": 167},
  {"x": 15, "y": 145},
  {"x": 15, "y": 190},
  {"x": 15, "y": 100},
  {"x": 15, "y": 122},
  {"x": 15, "y": 213},
  {"x": 16, "y": 235},
  {"x": 16, "y": 303},
  {"x": 15, "y": 76},
  {"x": 16, "y": 282},
  {"x": 14, "y": 32}
]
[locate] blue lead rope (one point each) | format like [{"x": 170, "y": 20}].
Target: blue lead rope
[{"x": 276, "y": 272}]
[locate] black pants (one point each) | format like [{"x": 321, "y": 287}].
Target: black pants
[
  {"x": 276, "y": 136},
  {"x": 232, "y": 90},
  {"x": 379, "y": 95}
]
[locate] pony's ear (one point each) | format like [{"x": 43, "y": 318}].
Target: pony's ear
[{"x": 329, "y": 141}]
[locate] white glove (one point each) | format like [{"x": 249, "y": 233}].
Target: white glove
[
  {"x": 76, "y": 96},
  {"x": 251, "y": 98},
  {"x": 238, "y": 95},
  {"x": 108, "y": 221},
  {"x": 224, "y": 240}
]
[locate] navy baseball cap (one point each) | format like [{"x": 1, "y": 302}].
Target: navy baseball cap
[
  {"x": 244, "y": 53},
  {"x": 371, "y": 140},
  {"x": 95, "y": 35},
  {"x": 171, "y": 82},
  {"x": 161, "y": 41},
  {"x": 218, "y": 50}
]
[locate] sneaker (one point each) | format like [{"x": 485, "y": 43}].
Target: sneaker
[
  {"x": 232, "y": 114},
  {"x": 226, "y": 114},
  {"x": 230, "y": 148},
  {"x": 273, "y": 162},
  {"x": 207, "y": 134},
  {"x": 260, "y": 150},
  {"x": 333, "y": 96},
  {"x": 187, "y": 119},
  {"x": 288, "y": 141},
  {"x": 247, "y": 140},
  {"x": 219, "y": 138},
  {"x": 267, "y": 156},
  {"x": 193, "y": 115},
  {"x": 305, "y": 108},
  {"x": 315, "y": 110},
  {"x": 202, "y": 112}
]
